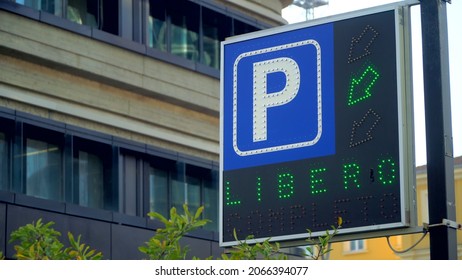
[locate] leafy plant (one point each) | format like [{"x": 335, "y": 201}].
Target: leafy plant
[
  {"x": 245, "y": 251},
  {"x": 319, "y": 248},
  {"x": 2, "y": 257},
  {"x": 165, "y": 244},
  {"x": 80, "y": 251},
  {"x": 39, "y": 241}
]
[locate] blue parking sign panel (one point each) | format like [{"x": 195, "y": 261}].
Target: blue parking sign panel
[{"x": 278, "y": 98}]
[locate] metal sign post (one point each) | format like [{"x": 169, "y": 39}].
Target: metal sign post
[{"x": 440, "y": 159}]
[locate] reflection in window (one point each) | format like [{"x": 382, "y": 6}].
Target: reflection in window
[
  {"x": 193, "y": 192},
  {"x": 43, "y": 169},
  {"x": 185, "y": 31},
  {"x": 84, "y": 12},
  {"x": 188, "y": 192},
  {"x": 90, "y": 180},
  {"x": 50, "y": 6},
  {"x": 158, "y": 25},
  {"x": 174, "y": 27},
  {"x": 216, "y": 27},
  {"x": 158, "y": 191},
  {"x": 211, "y": 204},
  {"x": 242, "y": 28},
  {"x": 178, "y": 192},
  {"x": 3, "y": 162},
  {"x": 101, "y": 14}
]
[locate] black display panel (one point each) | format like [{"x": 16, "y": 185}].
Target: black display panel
[{"x": 361, "y": 181}]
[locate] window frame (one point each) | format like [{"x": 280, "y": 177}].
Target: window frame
[
  {"x": 353, "y": 246},
  {"x": 50, "y": 137},
  {"x": 6, "y": 128}
]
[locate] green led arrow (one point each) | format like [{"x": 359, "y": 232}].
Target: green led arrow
[{"x": 360, "y": 88}]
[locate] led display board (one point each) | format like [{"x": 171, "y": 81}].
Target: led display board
[{"x": 312, "y": 129}]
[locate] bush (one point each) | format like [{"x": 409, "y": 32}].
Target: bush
[
  {"x": 165, "y": 244},
  {"x": 39, "y": 241}
]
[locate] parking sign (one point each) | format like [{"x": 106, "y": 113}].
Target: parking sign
[
  {"x": 282, "y": 98},
  {"x": 314, "y": 127}
]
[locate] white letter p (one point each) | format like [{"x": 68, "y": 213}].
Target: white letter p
[{"x": 262, "y": 99}]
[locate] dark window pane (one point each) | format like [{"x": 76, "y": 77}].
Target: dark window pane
[
  {"x": 211, "y": 204},
  {"x": 92, "y": 175},
  {"x": 84, "y": 12},
  {"x": 184, "y": 34},
  {"x": 50, "y": 6},
  {"x": 43, "y": 169},
  {"x": 178, "y": 192},
  {"x": 3, "y": 162},
  {"x": 101, "y": 14},
  {"x": 90, "y": 180},
  {"x": 243, "y": 28},
  {"x": 193, "y": 193},
  {"x": 216, "y": 27},
  {"x": 158, "y": 31},
  {"x": 158, "y": 191}
]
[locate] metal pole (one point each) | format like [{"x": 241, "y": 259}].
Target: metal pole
[{"x": 440, "y": 158}]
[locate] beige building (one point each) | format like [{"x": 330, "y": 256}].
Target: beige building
[{"x": 109, "y": 109}]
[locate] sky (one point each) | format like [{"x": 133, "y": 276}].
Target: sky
[{"x": 454, "y": 11}]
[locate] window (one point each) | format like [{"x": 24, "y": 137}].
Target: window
[
  {"x": 158, "y": 32},
  {"x": 242, "y": 28},
  {"x": 51, "y": 162},
  {"x": 43, "y": 162},
  {"x": 186, "y": 189},
  {"x": 355, "y": 246},
  {"x": 101, "y": 14},
  {"x": 185, "y": 30},
  {"x": 85, "y": 12},
  {"x": 4, "y": 147},
  {"x": 158, "y": 191},
  {"x": 174, "y": 28},
  {"x": 216, "y": 27},
  {"x": 92, "y": 174},
  {"x": 211, "y": 201},
  {"x": 50, "y": 6}
]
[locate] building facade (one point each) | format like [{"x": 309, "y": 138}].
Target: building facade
[{"x": 109, "y": 109}]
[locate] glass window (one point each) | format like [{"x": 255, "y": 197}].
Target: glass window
[
  {"x": 43, "y": 159},
  {"x": 243, "y": 28},
  {"x": 186, "y": 191},
  {"x": 84, "y": 12},
  {"x": 101, "y": 14},
  {"x": 355, "y": 246},
  {"x": 50, "y": 6},
  {"x": 185, "y": 30},
  {"x": 193, "y": 193},
  {"x": 178, "y": 192},
  {"x": 211, "y": 203},
  {"x": 4, "y": 178},
  {"x": 158, "y": 33},
  {"x": 92, "y": 173},
  {"x": 216, "y": 27},
  {"x": 158, "y": 191},
  {"x": 90, "y": 180},
  {"x": 174, "y": 27}
]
